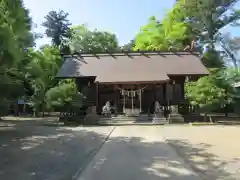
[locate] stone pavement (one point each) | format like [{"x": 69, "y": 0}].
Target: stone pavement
[
  {"x": 30, "y": 151},
  {"x": 137, "y": 152}
]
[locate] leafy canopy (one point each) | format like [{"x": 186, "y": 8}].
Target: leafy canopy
[
  {"x": 15, "y": 36},
  {"x": 57, "y": 27},
  {"x": 85, "y": 40}
]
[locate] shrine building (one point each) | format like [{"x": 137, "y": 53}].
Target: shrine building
[{"x": 133, "y": 81}]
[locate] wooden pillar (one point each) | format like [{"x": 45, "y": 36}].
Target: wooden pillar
[
  {"x": 183, "y": 89},
  {"x": 173, "y": 91},
  {"x": 124, "y": 103},
  {"x": 97, "y": 98},
  {"x": 132, "y": 100},
  {"x": 140, "y": 98},
  {"x": 167, "y": 107},
  {"x": 155, "y": 92},
  {"x": 115, "y": 99},
  {"x": 167, "y": 94}
]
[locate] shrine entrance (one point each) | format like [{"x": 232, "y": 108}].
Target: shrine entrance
[{"x": 131, "y": 99}]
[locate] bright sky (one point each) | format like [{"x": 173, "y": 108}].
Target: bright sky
[{"x": 123, "y": 17}]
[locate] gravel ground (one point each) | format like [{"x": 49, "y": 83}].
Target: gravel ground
[
  {"x": 31, "y": 151},
  {"x": 213, "y": 151}
]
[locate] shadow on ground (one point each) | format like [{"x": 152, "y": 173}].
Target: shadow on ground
[
  {"x": 30, "y": 151},
  {"x": 134, "y": 158},
  {"x": 156, "y": 160},
  {"x": 208, "y": 165}
]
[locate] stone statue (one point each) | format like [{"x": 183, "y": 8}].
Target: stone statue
[
  {"x": 159, "y": 114},
  {"x": 107, "y": 108},
  {"x": 157, "y": 107},
  {"x": 174, "y": 109}
]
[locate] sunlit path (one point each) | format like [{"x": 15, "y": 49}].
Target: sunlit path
[{"x": 137, "y": 153}]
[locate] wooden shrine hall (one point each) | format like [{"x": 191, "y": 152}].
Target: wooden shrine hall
[{"x": 131, "y": 82}]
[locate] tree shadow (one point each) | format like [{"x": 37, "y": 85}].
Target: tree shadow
[
  {"x": 136, "y": 158},
  {"x": 31, "y": 151},
  {"x": 208, "y": 165}
]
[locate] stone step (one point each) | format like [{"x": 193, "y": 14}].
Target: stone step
[
  {"x": 160, "y": 120},
  {"x": 176, "y": 118},
  {"x": 122, "y": 123},
  {"x": 123, "y": 120},
  {"x": 111, "y": 122},
  {"x": 128, "y": 118},
  {"x": 118, "y": 119},
  {"x": 144, "y": 117}
]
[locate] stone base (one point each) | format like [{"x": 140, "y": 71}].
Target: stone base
[
  {"x": 162, "y": 120},
  {"x": 91, "y": 119},
  {"x": 159, "y": 119},
  {"x": 176, "y": 118},
  {"x": 144, "y": 117}
]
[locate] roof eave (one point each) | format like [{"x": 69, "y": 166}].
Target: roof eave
[{"x": 135, "y": 82}]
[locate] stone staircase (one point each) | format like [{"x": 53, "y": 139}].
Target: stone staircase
[
  {"x": 120, "y": 119},
  {"x": 176, "y": 118},
  {"x": 142, "y": 119},
  {"x": 160, "y": 120}
]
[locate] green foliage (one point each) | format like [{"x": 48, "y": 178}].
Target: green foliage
[
  {"x": 64, "y": 95},
  {"x": 85, "y": 40},
  {"x": 171, "y": 33},
  {"x": 14, "y": 31},
  {"x": 57, "y": 27},
  {"x": 205, "y": 93},
  {"x": 231, "y": 47},
  {"x": 208, "y": 17},
  {"x": 225, "y": 79},
  {"x": 129, "y": 46},
  {"x": 212, "y": 59},
  {"x": 32, "y": 74},
  {"x": 214, "y": 91},
  {"x": 40, "y": 72},
  {"x": 15, "y": 35}
]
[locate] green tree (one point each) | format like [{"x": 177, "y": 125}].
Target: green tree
[
  {"x": 84, "y": 40},
  {"x": 65, "y": 96},
  {"x": 40, "y": 72},
  {"x": 208, "y": 17},
  {"x": 15, "y": 37},
  {"x": 214, "y": 91},
  {"x": 205, "y": 94},
  {"x": 129, "y": 46},
  {"x": 171, "y": 33},
  {"x": 231, "y": 47},
  {"x": 57, "y": 27},
  {"x": 211, "y": 58}
]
